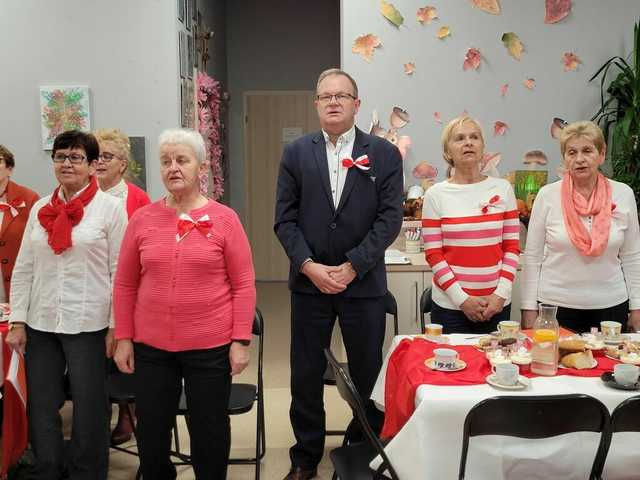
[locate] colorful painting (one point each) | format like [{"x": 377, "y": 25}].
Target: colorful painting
[
  {"x": 62, "y": 109},
  {"x": 526, "y": 187}
]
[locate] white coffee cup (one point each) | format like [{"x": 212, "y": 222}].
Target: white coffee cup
[
  {"x": 509, "y": 328},
  {"x": 506, "y": 373},
  {"x": 445, "y": 358},
  {"x": 626, "y": 374},
  {"x": 433, "y": 329},
  {"x": 611, "y": 329}
]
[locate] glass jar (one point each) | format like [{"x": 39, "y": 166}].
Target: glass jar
[{"x": 544, "y": 351}]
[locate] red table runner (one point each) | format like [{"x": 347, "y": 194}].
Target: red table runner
[{"x": 406, "y": 371}]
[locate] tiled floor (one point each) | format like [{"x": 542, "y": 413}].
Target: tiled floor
[{"x": 273, "y": 301}]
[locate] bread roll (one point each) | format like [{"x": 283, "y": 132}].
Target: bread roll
[
  {"x": 579, "y": 360},
  {"x": 572, "y": 346}
]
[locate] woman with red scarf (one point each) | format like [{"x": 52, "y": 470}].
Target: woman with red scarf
[
  {"x": 61, "y": 315},
  {"x": 583, "y": 244}
]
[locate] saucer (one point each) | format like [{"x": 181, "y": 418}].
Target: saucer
[
  {"x": 617, "y": 340},
  {"x": 460, "y": 365},
  {"x": 610, "y": 381},
  {"x": 523, "y": 382}
]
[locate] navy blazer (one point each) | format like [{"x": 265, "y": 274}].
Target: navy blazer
[{"x": 366, "y": 221}]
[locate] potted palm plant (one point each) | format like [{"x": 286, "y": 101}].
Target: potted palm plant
[{"x": 619, "y": 114}]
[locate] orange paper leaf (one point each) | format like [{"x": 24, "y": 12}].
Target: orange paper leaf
[
  {"x": 391, "y": 13},
  {"x": 500, "y": 128},
  {"x": 409, "y": 68},
  {"x": 570, "y": 61},
  {"x": 503, "y": 89},
  {"x": 513, "y": 44},
  {"x": 365, "y": 45},
  {"x": 443, "y": 32},
  {"x": 427, "y": 14},
  {"x": 437, "y": 117},
  {"x": 489, "y": 6},
  {"x": 472, "y": 59},
  {"x": 530, "y": 83},
  {"x": 556, "y": 10}
]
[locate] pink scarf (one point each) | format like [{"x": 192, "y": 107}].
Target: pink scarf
[{"x": 575, "y": 205}]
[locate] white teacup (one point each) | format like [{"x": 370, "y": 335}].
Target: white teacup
[
  {"x": 509, "y": 328},
  {"x": 433, "y": 329},
  {"x": 506, "y": 373},
  {"x": 626, "y": 374},
  {"x": 445, "y": 358},
  {"x": 611, "y": 329}
]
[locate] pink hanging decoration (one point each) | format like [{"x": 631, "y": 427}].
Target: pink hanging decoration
[{"x": 209, "y": 126}]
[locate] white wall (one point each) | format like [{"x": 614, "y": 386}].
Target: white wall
[
  {"x": 124, "y": 50},
  {"x": 274, "y": 45},
  {"x": 595, "y": 30}
]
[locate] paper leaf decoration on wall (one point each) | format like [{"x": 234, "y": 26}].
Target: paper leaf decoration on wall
[
  {"x": 503, "y": 89},
  {"x": 399, "y": 117},
  {"x": 489, "y": 6},
  {"x": 556, "y": 127},
  {"x": 489, "y": 164},
  {"x": 427, "y": 14},
  {"x": 472, "y": 59},
  {"x": 425, "y": 170},
  {"x": 556, "y": 10},
  {"x": 365, "y": 45},
  {"x": 500, "y": 128},
  {"x": 529, "y": 83},
  {"x": 409, "y": 68},
  {"x": 437, "y": 117},
  {"x": 404, "y": 142},
  {"x": 535, "y": 157},
  {"x": 570, "y": 61},
  {"x": 391, "y": 13},
  {"x": 513, "y": 44},
  {"x": 443, "y": 32}
]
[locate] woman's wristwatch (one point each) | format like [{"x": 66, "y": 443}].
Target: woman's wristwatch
[{"x": 15, "y": 325}]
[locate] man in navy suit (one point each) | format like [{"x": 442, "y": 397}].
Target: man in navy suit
[{"x": 338, "y": 207}]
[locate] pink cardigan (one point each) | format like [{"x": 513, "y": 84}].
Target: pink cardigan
[
  {"x": 193, "y": 294},
  {"x": 136, "y": 198}
]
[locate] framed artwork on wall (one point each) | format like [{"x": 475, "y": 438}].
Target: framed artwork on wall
[
  {"x": 137, "y": 170},
  {"x": 63, "y": 108}
]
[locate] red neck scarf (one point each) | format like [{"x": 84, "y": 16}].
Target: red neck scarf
[
  {"x": 58, "y": 218},
  {"x": 598, "y": 206}
]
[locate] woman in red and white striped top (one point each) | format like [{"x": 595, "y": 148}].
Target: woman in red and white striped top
[{"x": 470, "y": 231}]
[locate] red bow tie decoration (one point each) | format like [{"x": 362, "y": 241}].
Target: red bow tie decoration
[
  {"x": 493, "y": 202},
  {"x": 186, "y": 224},
  {"x": 13, "y": 206},
  {"x": 361, "y": 162}
]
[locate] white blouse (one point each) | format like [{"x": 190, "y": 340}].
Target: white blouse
[
  {"x": 553, "y": 271},
  {"x": 70, "y": 292}
]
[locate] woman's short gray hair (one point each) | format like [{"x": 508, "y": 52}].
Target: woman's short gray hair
[{"x": 184, "y": 136}]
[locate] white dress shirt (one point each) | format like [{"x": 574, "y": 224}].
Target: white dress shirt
[
  {"x": 335, "y": 154},
  {"x": 553, "y": 271},
  {"x": 119, "y": 190},
  {"x": 70, "y": 292}
]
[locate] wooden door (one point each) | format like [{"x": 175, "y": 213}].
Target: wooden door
[{"x": 272, "y": 119}]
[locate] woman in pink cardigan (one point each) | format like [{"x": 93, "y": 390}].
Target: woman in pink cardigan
[{"x": 184, "y": 302}]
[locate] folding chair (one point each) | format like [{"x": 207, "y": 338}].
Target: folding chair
[
  {"x": 625, "y": 418},
  {"x": 538, "y": 417},
  {"x": 425, "y": 307}
]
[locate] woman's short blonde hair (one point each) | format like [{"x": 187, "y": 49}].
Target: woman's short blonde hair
[
  {"x": 118, "y": 138},
  {"x": 447, "y": 133},
  {"x": 586, "y": 129}
]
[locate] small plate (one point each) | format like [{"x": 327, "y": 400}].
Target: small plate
[
  {"x": 594, "y": 364},
  {"x": 610, "y": 381},
  {"x": 616, "y": 340},
  {"x": 460, "y": 365},
  {"x": 523, "y": 382}
]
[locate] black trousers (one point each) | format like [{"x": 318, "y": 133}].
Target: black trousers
[
  {"x": 582, "y": 320},
  {"x": 47, "y": 356},
  {"x": 362, "y": 322},
  {"x": 455, "y": 321},
  {"x": 207, "y": 384}
]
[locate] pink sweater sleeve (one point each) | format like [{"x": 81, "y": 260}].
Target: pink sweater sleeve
[
  {"x": 237, "y": 253},
  {"x": 125, "y": 288}
]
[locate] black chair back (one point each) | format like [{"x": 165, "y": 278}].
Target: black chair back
[
  {"x": 538, "y": 417},
  {"x": 425, "y": 307},
  {"x": 625, "y": 418},
  {"x": 391, "y": 308},
  {"x": 349, "y": 394}
]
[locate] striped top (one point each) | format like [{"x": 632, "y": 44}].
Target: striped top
[
  {"x": 195, "y": 293},
  {"x": 470, "y": 234}
]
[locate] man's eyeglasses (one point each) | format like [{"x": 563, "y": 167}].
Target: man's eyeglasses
[
  {"x": 74, "y": 158},
  {"x": 341, "y": 98},
  {"x": 106, "y": 157}
]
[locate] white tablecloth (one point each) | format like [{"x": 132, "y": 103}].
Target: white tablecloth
[{"x": 430, "y": 443}]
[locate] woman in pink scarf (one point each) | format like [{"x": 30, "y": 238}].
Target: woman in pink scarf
[{"x": 583, "y": 244}]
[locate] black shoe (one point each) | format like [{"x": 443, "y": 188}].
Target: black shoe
[{"x": 297, "y": 473}]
